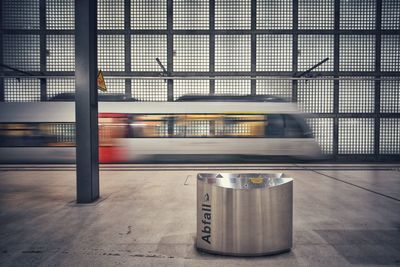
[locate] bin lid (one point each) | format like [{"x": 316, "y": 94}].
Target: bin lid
[{"x": 244, "y": 180}]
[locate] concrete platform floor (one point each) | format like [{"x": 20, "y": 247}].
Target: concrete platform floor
[{"x": 343, "y": 216}]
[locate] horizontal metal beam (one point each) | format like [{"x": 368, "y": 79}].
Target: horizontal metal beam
[
  {"x": 206, "y": 32},
  {"x": 349, "y": 78}
]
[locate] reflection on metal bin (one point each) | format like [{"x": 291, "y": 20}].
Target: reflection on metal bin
[{"x": 244, "y": 214}]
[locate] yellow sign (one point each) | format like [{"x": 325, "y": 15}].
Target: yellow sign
[
  {"x": 257, "y": 180},
  {"x": 101, "y": 83}
]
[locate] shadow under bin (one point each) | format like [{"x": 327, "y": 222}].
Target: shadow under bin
[{"x": 244, "y": 214}]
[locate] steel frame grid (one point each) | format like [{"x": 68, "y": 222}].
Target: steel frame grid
[{"x": 336, "y": 73}]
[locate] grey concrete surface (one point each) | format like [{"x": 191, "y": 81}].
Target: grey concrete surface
[{"x": 342, "y": 217}]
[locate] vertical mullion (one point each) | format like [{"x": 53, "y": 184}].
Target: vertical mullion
[
  {"x": 212, "y": 44},
  {"x": 1, "y": 55},
  {"x": 127, "y": 34},
  {"x": 253, "y": 45},
  {"x": 336, "y": 51},
  {"x": 295, "y": 10},
  {"x": 377, "y": 96},
  {"x": 42, "y": 16},
  {"x": 170, "y": 49}
]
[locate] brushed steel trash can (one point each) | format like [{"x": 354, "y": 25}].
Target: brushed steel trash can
[{"x": 244, "y": 214}]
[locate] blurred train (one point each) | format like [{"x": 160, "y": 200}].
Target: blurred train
[{"x": 192, "y": 129}]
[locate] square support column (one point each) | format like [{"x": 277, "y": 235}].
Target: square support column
[{"x": 86, "y": 108}]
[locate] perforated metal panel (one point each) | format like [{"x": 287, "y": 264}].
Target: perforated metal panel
[
  {"x": 114, "y": 86},
  {"x": 21, "y": 14},
  {"x": 145, "y": 50},
  {"x": 110, "y": 14},
  {"x": 191, "y": 53},
  {"x": 232, "y": 14},
  {"x": 232, "y": 87},
  {"x": 390, "y": 96},
  {"x": 390, "y": 55},
  {"x": 232, "y": 53},
  {"x": 391, "y": 15},
  {"x": 315, "y": 96},
  {"x": 274, "y": 52},
  {"x": 357, "y": 53},
  {"x": 191, "y": 87},
  {"x": 149, "y": 90},
  {"x": 60, "y": 14},
  {"x": 313, "y": 49},
  {"x": 274, "y": 14},
  {"x": 57, "y": 86},
  {"x": 316, "y": 14},
  {"x": 149, "y": 15},
  {"x": 322, "y": 129},
  {"x": 356, "y": 96},
  {"x": 357, "y": 15},
  {"x": 22, "y": 51},
  {"x": 191, "y": 15},
  {"x": 356, "y": 135},
  {"x": 23, "y": 90},
  {"x": 61, "y": 52},
  {"x": 111, "y": 52},
  {"x": 389, "y": 136},
  {"x": 279, "y": 88}
]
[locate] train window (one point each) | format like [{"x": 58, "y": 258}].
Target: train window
[
  {"x": 275, "y": 126},
  {"x": 240, "y": 126},
  {"x": 293, "y": 128},
  {"x": 192, "y": 125},
  {"x": 149, "y": 126},
  {"x": 27, "y": 134}
]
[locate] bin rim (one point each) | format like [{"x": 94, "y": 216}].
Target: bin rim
[{"x": 244, "y": 180}]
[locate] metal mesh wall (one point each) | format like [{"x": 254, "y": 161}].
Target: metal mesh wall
[
  {"x": 390, "y": 55},
  {"x": 274, "y": 52},
  {"x": 279, "y": 88},
  {"x": 390, "y": 136},
  {"x": 149, "y": 90},
  {"x": 60, "y": 14},
  {"x": 191, "y": 53},
  {"x": 232, "y": 87},
  {"x": 390, "y": 97},
  {"x": 356, "y": 136},
  {"x": 60, "y": 52},
  {"x": 145, "y": 49},
  {"x": 251, "y": 38},
  {"x": 315, "y": 96},
  {"x": 232, "y": 53},
  {"x": 22, "y": 51},
  {"x": 232, "y": 14},
  {"x": 323, "y": 132},
  {"x": 357, "y": 53},
  {"x": 191, "y": 15},
  {"x": 314, "y": 48},
  {"x": 149, "y": 15},
  {"x": 22, "y": 14},
  {"x": 111, "y": 52},
  {"x": 316, "y": 14},
  {"x": 357, "y": 15},
  {"x": 356, "y": 96},
  {"x": 274, "y": 14},
  {"x": 25, "y": 90},
  {"x": 191, "y": 87},
  {"x": 110, "y": 14},
  {"x": 57, "y": 86}
]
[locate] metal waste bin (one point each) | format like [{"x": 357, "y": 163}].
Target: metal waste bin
[{"x": 244, "y": 214}]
